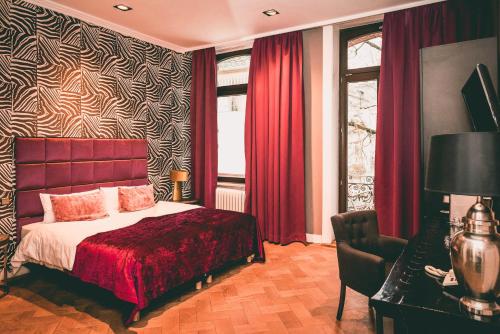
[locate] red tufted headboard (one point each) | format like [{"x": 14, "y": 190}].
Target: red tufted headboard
[{"x": 66, "y": 165}]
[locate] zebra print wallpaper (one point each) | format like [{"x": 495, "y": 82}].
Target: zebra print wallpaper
[{"x": 61, "y": 77}]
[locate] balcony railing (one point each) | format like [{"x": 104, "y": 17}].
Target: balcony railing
[{"x": 360, "y": 193}]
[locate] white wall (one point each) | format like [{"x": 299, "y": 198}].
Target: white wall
[{"x": 313, "y": 110}]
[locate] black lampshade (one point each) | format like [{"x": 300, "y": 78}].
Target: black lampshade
[{"x": 464, "y": 164}]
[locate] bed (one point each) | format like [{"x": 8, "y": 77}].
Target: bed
[{"x": 139, "y": 255}]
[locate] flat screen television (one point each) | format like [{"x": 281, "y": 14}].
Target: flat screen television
[{"x": 481, "y": 100}]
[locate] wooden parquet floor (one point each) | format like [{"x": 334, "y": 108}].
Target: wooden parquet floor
[{"x": 295, "y": 291}]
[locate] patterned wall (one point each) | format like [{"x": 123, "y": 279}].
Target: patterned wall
[{"x": 61, "y": 77}]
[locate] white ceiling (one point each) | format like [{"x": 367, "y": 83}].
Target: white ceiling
[{"x": 185, "y": 25}]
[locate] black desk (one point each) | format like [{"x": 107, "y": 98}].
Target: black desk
[{"x": 416, "y": 301}]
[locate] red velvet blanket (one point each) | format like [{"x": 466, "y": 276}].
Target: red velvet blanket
[{"x": 141, "y": 262}]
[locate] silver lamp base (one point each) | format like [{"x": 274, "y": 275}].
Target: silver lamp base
[
  {"x": 474, "y": 256},
  {"x": 480, "y": 307}
]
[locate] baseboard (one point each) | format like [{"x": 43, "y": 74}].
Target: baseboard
[{"x": 313, "y": 238}]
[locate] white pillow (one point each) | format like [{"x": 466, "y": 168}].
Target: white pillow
[
  {"x": 48, "y": 212},
  {"x": 110, "y": 195}
]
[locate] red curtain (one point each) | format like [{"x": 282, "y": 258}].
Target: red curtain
[
  {"x": 204, "y": 125},
  {"x": 397, "y": 159},
  {"x": 274, "y": 138}
]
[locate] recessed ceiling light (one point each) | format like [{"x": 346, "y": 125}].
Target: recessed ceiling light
[
  {"x": 123, "y": 8},
  {"x": 270, "y": 12}
]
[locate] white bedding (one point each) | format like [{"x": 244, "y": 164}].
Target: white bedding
[{"x": 54, "y": 244}]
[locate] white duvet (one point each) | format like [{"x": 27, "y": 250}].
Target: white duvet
[{"x": 54, "y": 244}]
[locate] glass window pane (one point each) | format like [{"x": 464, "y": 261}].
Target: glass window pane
[
  {"x": 233, "y": 71},
  {"x": 364, "y": 51},
  {"x": 362, "y": 121},
  {"x": 231, "y": 124}
]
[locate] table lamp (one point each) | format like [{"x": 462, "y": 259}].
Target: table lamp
[
  {"x": 469, "y": 164},
  {"x": 178, "y": 176}
]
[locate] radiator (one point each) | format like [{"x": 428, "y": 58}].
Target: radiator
[{"x": 230, "y": 199}]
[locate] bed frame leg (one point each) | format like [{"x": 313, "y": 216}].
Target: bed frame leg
[
  {"x": 198, "y": 285},
  {"x": 209, "y": 279},
  {"x": 250, "y": 258},
  {"x": 137, "y": 317}
]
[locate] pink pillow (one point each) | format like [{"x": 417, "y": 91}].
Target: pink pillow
[
  {"x": 136, "y": 198},
  {"x": 78, "y": 207}
]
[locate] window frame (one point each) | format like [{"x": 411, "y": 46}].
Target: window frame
[
  {"x": 348, "y": 76},
  {"x": 229, "y": 91}
]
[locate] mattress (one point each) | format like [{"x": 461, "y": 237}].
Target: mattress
[
  {"x": 54, "y": 245},
  {"x": 141, "y": 262},
  {"x": 28, "y": 228}
]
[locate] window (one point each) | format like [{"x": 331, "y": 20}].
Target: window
[
  {"x": 232, "y": 82},
  {"x": 359, "y": 74}
]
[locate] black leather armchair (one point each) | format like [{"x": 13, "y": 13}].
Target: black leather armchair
[{"x": 365, "y": 257}]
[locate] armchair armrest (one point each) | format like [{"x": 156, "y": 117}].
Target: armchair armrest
[
  {"x": 390, "y": 247},
  {"x": 361, "y": 271}
]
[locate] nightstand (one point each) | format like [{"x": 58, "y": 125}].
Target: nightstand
[
  {"x": 4, "y": 245},
  {"x": 193, "y": 201}
]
